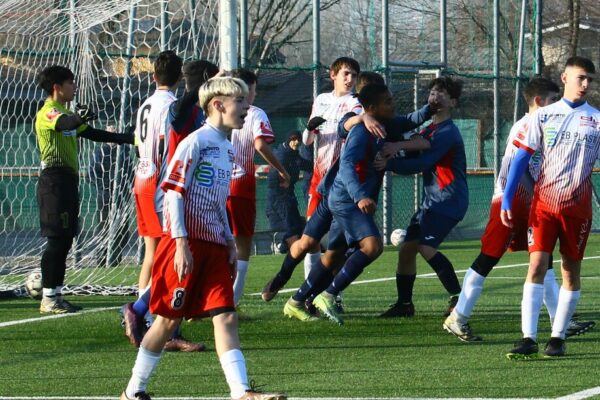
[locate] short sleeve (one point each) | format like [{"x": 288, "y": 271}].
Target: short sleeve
[{"x": 261, "y": 127}]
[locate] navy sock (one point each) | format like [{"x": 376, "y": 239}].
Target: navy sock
[
  {"x": 404, "y": 285},
  {"x": 445, "y": 271},
  {"x": 141, "y": 305},
  {"x": 286, "y": 271},
  {"x": 318, "y": 279},
  {"x": 353, "y": 267}
]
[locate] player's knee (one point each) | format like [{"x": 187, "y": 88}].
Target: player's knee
[{"x": 372, "y": 247}]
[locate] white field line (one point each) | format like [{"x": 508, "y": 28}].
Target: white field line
[
  {"x": 433, "y": 274},
  {"x": 584, "y": 394},
  {"x": 575, "y": 396},
  {"x": 55, "y": 316}
]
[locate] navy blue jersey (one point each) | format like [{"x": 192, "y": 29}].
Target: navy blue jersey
[{"x": 444, "y": 168}]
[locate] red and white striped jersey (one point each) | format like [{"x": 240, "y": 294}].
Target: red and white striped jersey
[
  {"x": 256, "y": 125},
  {"x": 525, "y": 188},
  {"x": 569, "y": 143},
  {"x": 201, "y": 171},
  {"x": 331, "y": 108},
  {"x": 149, "y": 131}
]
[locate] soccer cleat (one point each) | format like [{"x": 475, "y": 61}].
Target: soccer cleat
[
  {"x": 270, "y": 290},
  {"x": 179, "y": 343},
  {"x": 51, "y": 305},
  {"x": 138, "y": 396},
  {"x": 254, "y": 395},
  {"x": 299, "y": 312},
  {"x": 555, "y": 347},
  {"x": 326, "y": 304},
  {"x": 524, "y": 349},
  {"x": 451, "y": 304},
  {"x": 399, "y": 310},
  {"x": 461, "y": 331},
  {"x": 70, "y": 307},
  {"x": 133, "y": 324},
  {"x": 576, "y": 328}
]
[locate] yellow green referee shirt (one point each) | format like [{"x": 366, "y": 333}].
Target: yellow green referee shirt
[{"x": 57, "y": 149}]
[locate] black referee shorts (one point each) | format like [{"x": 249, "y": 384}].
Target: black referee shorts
[{"x": 58, "y": 199}]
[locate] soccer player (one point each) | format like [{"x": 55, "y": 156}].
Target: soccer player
[
  {"x": 192, "y": 273},
  {"x": 445, "y": 197},
  {"x": 183, "y": 117},
  {"x": 354, "y": 193},
  {"x": 57, "y": 130},
  {"x": 567, "y": 136},
  {"x": 256, "y": 134},
  {"x": 498, "y": 238},
  {"x": 327, "y": 110}
]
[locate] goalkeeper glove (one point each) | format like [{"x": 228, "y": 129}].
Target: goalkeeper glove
[
  {"x": 85, "y": 113},
  {"x": 314, "y": 123}
]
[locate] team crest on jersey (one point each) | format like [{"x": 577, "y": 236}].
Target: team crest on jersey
[
  {"x": 71, "y": 133},
  {"x": 588, "y": 121},
  {"x": 205, "y": 174},
  {"x": 550, "y": 133},
  {"x": 53, "y": 113},
  {"x": 237, "y": 171},
  {"x": 146, "y": 168},
  {"x": 178, "y": 299}
]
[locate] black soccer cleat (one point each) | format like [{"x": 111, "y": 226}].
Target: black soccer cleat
[
  {"x": 401, "y": 310},
  {"x": 525, "y": 349},
  {"x": 576, "y": 328},
  {"x": 555, "y": 347}
]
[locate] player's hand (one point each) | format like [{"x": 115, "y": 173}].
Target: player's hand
[
  {"x": 380, "y": 162},
  {"x": 85, "y": 113},
  {"x": 390, "y": 149},
  {"x": 314, "y": 123},
  {"x": 367, "y": 205},
  {"x": 232, "y": 257},
  {"x": 284, "y": 180},
  {"x": 506, "y": 218},
  {"x": 184, "y": 262},
  {"x": 373, "y": 126}
]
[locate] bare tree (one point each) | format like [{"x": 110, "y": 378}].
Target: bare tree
[{"x": 574, "y": 9}]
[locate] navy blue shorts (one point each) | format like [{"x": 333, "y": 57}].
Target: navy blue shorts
[
  {"x": 320, "y": 222},
  {"x": 355, "y": 224},
  {"x": 429, "y": 228}
]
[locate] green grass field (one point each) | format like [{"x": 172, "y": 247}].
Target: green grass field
[{"x": 87, "y": 354}]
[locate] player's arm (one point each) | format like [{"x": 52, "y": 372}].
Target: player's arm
[
  {"x": 99, "y": 135},
  {"x": 356, "y": 150},
  {"x": 440, "y": 146},
  {"x": 351, "y": 119},
  {"x": 516, "y": 170},
  {"x": 263, "y": 148},
  {"x": 401, "y": 124}
]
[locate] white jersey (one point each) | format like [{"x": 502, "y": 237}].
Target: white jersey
[
  {"x": 526, "y": 183},
  {"x": 331, "y": 108},
  {"x": 201, "y": 171},
  {"x": 569, "y": 143},
  {"x": 256, "y": 125},
  {"x": 149, "y": 132}
]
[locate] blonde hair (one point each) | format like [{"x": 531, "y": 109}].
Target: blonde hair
[{"x": 221, "y": 86}]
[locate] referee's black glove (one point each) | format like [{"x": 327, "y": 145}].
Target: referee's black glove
[
  {"x": 314, "y": 123},
  {"x": 85, "y": 113}
]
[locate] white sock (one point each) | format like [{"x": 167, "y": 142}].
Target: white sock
[
  {"x": 531, "y": 305},
  {"x": 567, "y": 301},
  {"x": 551, "y": 289},
  {"x": 141, "y": 292},
  {"x": 49, "y": 292},
  {"x": 145, "y": 364},
  {"x": 234, "y": 367},
  {"x": 309, "y": 260},
  {"x": 471, "y": 290},
  {"x": 240, "y": 281}
]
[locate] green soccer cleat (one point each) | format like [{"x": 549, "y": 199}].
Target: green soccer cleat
[
  {"x": 326, "y": 304},
  {"x": 298, "y": 312}
]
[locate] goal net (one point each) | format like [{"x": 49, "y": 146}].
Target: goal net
[{"x": 110, "y": 45}]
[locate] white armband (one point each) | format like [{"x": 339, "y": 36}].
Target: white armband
[{"x": 176, "y": 214}]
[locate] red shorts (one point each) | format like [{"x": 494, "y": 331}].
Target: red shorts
[
  {"x": 497, "y": 238},
  {"x": 314, "y": 197},
  {"x": 545, "y": 227},
  {"x": 242, "y": 215},
  {"x": 148, "y": 221},
  {"x": 208, "y": 287}
]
